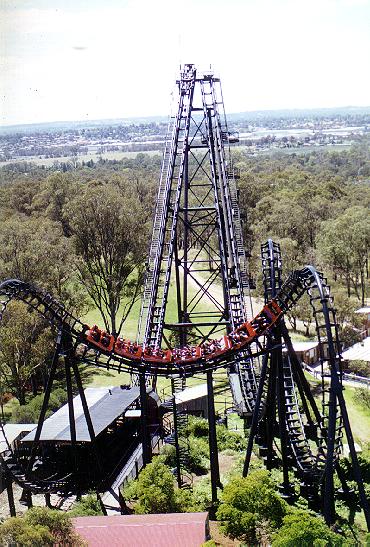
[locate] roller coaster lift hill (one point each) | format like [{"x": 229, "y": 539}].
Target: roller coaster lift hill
[{"x": 197, "y": 224}]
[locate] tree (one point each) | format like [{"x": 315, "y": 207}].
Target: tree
[
  {"x": 39, "y": 527},
  {"x": 26, "y": 345},
  {"x": 343, "y": 245},
  {"x": 35, "y": 250},
  {"x": 301, "y": 528},
  {"x": 155, "y": 491},
  {"x": 247, "y": 502},
  {"x": 54, "y": 194},
  {"x": 111, "y": 241}
]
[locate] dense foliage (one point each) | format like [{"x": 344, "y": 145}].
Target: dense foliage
[
  {"x": 88, "y": 506},
  {"x": 251, "y": 503},
  {"x": 301, "y": 528},
  {"x": 39, "y": 527}
]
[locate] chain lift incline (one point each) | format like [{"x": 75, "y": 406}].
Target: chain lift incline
[{"x": 196, "y": 227}]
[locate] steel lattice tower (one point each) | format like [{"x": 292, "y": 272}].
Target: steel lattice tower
[{"x": 197, "y": 246}]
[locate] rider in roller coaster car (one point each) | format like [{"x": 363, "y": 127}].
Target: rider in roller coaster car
[
  {"x": 105, "y": 339},
  {"x": 95, "y": 333},
  {"x": 260, "y": 323}
]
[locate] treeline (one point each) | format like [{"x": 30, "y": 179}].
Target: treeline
[
  {"x": 316, "y": 206},
  {"x": 83, "y": 235}
]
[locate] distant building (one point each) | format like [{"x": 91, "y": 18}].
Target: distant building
[
  {"x": 358, "y": 352},
  {"x": 193, "y": 400},
  {"x": 365, "y": 313},
  {"x": 307, "y": 352}
]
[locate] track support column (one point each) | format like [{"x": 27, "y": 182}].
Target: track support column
[
  {"x": 145, "y": 437},
  {"x": 9, "y": 491},
  {"x": 213, "y": 452}
]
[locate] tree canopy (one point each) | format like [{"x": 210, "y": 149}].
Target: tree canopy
[
  {"x": 248, "y": 503},
  {"x": 39, "y": 527}
]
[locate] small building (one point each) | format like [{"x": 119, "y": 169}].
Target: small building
[
  {"x": 10, "y": 435},
  {"x": 193, "y": 400},
  {"x": 365, "y": 313},
  {"x": 13, "y": 434},
  {"x": 115, "y": 415},
  {"x": 307, "y": 352},
  {"x": 159, "y": 530},
  {"x": 358, "y": 352}
]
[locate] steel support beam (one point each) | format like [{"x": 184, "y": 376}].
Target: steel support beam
[
  {"x": 145, "y": 434},
  {"x": 213, "y": 451}
]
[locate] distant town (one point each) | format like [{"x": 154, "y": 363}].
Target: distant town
[{"x": 255, "y": 132}]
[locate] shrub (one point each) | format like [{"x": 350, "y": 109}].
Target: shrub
[
  {"x": 361, "y": 368},
  {"x": 39, "y": 527},
  {"x": 364, "y": 464},
  {"x": 301, "y": 528},
  {"x": 198, "y": 459},
  {"x": 247, "y": 502},
  {"x": 198, "y": 427},
  {"x": 363, "y": 397},
  {"x": 88, "y": 506},
  {"x": 154, "y": 491},
  {"x": 349, "y": 336},
  {"x": 168, "y": 454},
  {"x": 29, "y": 413},
  {"x": 229, "y": 439},
  {"x": 202, "y": 495}
]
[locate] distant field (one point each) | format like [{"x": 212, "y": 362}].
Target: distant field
[{"x": 48, "y": 162}]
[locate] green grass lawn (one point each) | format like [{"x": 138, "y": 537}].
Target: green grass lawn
[{"x": 359, "y": 416}]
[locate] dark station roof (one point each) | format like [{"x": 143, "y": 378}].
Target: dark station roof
[
  {"x": 105, "y": 405},
  {"x": 162, "y": 530}
]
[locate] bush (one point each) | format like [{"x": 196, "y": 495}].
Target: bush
[
  {"x": 168, "y": 455},
  {"x": 39, "y": 527},
  {"x": 88, "y": 506},
  {"x": 154, "y": 491},
  {"x": 248, "y": 502},
  {"x": 361, "y": 368},
  {"x": 301, "y": 528},
  {"x": 363, "y": 397},
  {"x": 364, "y": 464},
  {"x": 229, "y": 440},
  {"x": 202, "y": 495},
  {"x": 198, "y": 427},
  {"x": 198, "y": 460},
  {"x": 29, "y": 413},
  {"x": 198, "y": 456},
  {"x": 349, "y": 336}
]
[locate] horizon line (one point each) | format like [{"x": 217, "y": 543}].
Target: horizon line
[{"x": 166, "y": 116}]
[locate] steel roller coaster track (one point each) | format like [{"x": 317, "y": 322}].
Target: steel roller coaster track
[{"x": 269, "y": 331}]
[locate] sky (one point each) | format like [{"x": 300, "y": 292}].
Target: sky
[{"x": 94, "y": 59}]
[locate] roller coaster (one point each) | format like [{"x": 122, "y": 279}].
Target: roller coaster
[{"x": 197, "y": 224}]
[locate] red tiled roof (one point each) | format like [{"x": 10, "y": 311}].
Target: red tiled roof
[{"x": 164, "y": 530}]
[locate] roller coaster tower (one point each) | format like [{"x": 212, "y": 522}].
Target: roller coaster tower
[{"x": 197, "y": 248}]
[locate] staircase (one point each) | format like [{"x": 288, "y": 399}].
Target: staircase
[{"x": 177, "y": 436}]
